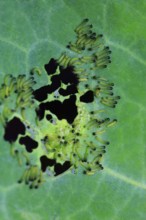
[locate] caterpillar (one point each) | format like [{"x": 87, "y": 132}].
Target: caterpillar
[{"x": 68, "y": 119}]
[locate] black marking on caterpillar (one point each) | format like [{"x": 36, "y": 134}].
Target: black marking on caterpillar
[{"x": 59, "y": 135}]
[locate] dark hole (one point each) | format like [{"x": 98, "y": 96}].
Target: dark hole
[
  {"x": 59, "y": 168},
  {"x": 71, "y": 89},
  {"x": 13, "y": 128},
  {"x": 51, "y": 66},
  {"x": 63, "y": 110},
  {"x": 45, "y": 162},
  {"x": 29, "y": 143},
  {"x": 41, "y": 94},
  {"x": 48, "y": 117},
  {"x": 87, "y": 97},
  {"x": 66, "y": 110},
  {"x": 68, "y": 75}
]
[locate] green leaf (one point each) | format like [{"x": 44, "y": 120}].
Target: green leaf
[{"x": 31, "y": 32}]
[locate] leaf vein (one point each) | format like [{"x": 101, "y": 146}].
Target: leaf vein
[
  {"x": 14, "y": 45},
  {"x": 124, "y": 178},
  {"x": 126, "y": 50}
]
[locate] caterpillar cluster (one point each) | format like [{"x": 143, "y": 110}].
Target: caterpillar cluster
[
  {"x": 16, "y": 94},
  {"x": 69, "y": 120}
]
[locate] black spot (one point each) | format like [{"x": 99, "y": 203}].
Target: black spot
[
  {"x": 71, "y": 89},
  {"x": 13, "y": 128},
  {"x": 45, "y": 162},
  {"x": 59, "y": 168},
  {"x": 51, "y": 66},
  {"x": 68, "y": 75},
  {"x": 87, "y": 97},
  {"x": 29, "y": 143}
]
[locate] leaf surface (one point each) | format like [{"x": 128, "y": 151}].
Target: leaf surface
[{"x": 31, "y": 32}]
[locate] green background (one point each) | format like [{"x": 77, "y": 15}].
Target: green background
[{"x": 31, "y": 32}]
